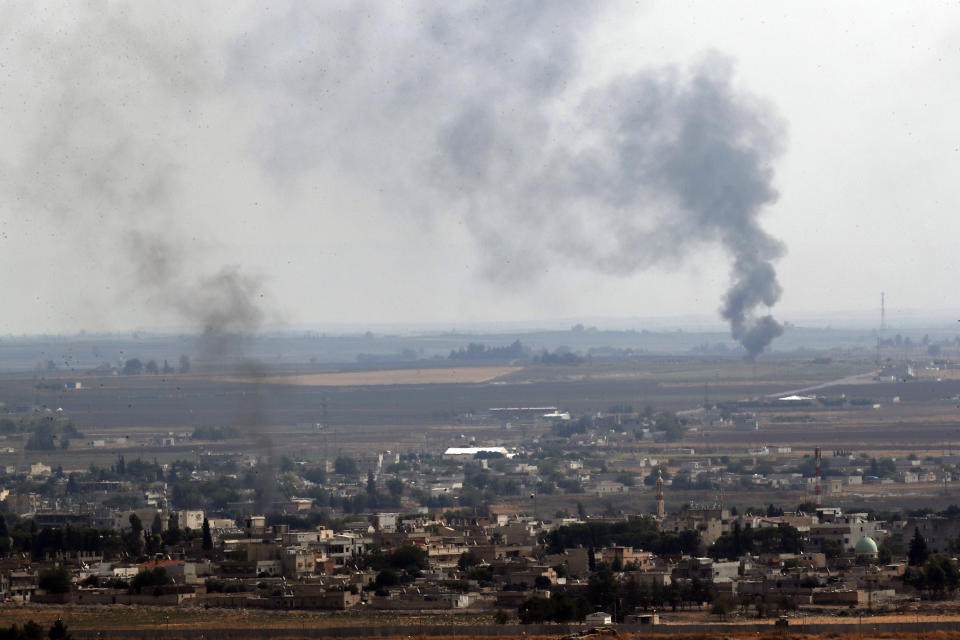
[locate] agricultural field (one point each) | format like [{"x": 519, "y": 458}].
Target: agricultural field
[
  {"x": 381, "y": 377},
  {"x": 187, "y": 622},
  {"x": 409, "y": 408}
]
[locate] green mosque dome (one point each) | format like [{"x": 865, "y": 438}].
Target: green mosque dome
[{"x": 866, "y": 546}]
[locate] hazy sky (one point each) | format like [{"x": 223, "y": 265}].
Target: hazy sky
[{"x": 450, "y": 163}]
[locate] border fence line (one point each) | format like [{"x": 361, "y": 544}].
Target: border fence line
[{"x": 509, "y": 630}]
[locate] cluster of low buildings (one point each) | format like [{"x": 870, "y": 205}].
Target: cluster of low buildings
[{"x": 494, "y": 561}]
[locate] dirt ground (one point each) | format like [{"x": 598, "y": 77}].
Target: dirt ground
[
  {"x": 145, "y": 617},
  {"x": 191, "y": 621},
  {"x": 449, "y": 375}
]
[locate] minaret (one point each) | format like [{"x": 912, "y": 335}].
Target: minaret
[{"x": 660, "y": 510}]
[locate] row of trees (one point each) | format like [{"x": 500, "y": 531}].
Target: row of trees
[
  {"x": 400, "y": 566},
  {"x": 59, "y": 580},
  {"x": 31, "y": 630},
  {"x": 937, "y": 578},
  {"x": 24, "y": 537},
  {"x": 780, "y": 539},
  {"x": 135, "y": 366},
  {"x": 641, "y": 533},
  {"x": 477, "y": 351},
  {"x": 666, "y": 421},
  {"x": 46, "y": 433},
  {"x": 605, "y": 592}
]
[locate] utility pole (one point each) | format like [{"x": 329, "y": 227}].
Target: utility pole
[
  {"x": 817, "y": 490},
  {"x": 883, "y": 312},
  {"x": 661, "y": 512}
]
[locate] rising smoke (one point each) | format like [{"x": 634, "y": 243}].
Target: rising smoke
[
  {"x": 490, "y": 105},
  {"x": 653, "y": 166},
  {"x": 485, "y": 114},
  {"x": 113, "y": 97}
]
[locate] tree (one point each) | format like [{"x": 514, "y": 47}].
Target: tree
[
  {"x": 43, "y": 438},
  {"x": 152, "y": 367},
  {"x": 58, "y": 631},
  {"x": 155, "y": 577},
  {"x": 134, "y": 540},
  {"x": 737, "y": 539},
  {"x": 558, "y": 608},
  {"x": 467, "y": 560},
  {"x": 670, "y": 424},
  {"x": 133, "y": 367},
  {"x": 207, "y": 537},
  {"x": 409, "y": 558},
  {"x": 371, "y": 484},
  {"x": 581, "y": 511},
  {"x": 157, "y": 527},
  {"x": 30, "y": 631},
  {"x": 626, "y": 478},
  {"x": 395, "y": 487},
  {"x": 655, "y": 474},
  {"x": 167, "y": 369},
  {"x": 603, "y": 590},
  {"x": 884, "y": 555},
  {"x": 918, "y": 552},
  {"x": 938, "y": 577},
  {"x": 781, "y": 539},
  {"x": 831, "y": 549},
  {"x": 721, "y": 606},
  {"x": 886, "y": 468},
  {"x": 889, "y": 549},
  {"x": 55, "y": 580},
  {"x": 345, "y": 465},
  {"x": 4, "y": 536},
  {"x": 806, "y": 507},
  {"x": 184, "y": 364},
  {"x": 387, "y": 578}
]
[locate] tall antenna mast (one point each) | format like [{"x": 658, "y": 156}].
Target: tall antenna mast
[
  {"x": 883, "y": 312},
  {"x": 661, "y": 512}
]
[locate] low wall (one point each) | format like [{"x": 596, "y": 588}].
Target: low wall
[{"x": 514, "y": 630}]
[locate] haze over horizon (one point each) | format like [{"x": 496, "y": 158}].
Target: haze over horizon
[{"x": 370, "y": 164}]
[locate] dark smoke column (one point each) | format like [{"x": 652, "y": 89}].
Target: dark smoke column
[
  {"x": 495, "y": 106},
  {"x": 754, "y": 284},
  {"x": 650, "y": 168},
  {"x": 709, "y": 150}
]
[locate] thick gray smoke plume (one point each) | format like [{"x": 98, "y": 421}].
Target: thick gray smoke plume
[
  {"x": 674, "y": 161},
  {"x": 114, "y": 96},
  {"x": 491, "y": 106},
  {"x": 654, "y": 166},
  {"x": 105, "y": 123},
  {"x": 483, "y": 116}
]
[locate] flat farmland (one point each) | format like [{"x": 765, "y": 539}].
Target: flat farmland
[
  {"x": 694, "y": 624},
  {"x": 894, "y": 415},
  {"x": 380, "y": 377},
  {"x": 392, "y": 408},
  {"x": 168, "y": 402}
]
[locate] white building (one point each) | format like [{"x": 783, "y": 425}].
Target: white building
[{"x": 599, "y": 618}]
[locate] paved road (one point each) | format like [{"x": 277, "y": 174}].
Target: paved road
[{"x": 858, "y": 379}]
